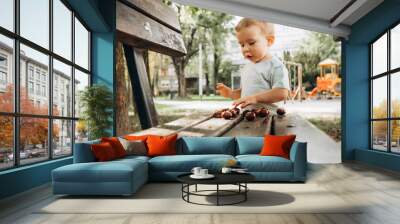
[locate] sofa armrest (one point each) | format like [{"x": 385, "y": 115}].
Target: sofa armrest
[
  {"x": 298, "y": 155},
  {"x": 83, "y": 152}
]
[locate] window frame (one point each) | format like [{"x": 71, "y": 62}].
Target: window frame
[
  {"x": 388, "y": 74},
  {"x": 16, "y": 114}
]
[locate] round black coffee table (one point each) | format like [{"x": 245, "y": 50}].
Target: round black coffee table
[{"x": 238, "y": 179}]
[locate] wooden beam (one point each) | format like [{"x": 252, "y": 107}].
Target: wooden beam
[
  {"x": 140, "y": 31},
  {"x": 158, "y": 11},
  {"x": 141, "y": 87}
]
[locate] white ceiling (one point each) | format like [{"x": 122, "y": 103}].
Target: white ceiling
[{"x": 314, "y": 15}]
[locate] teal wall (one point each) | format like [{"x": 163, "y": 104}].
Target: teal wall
[
  {"x": 103, "y": 52},
  {"x": 99, "y": 15},
  {"x": 355, "y": 100}
]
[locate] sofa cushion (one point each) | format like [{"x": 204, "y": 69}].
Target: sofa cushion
[
  {"x": 207, "y": 145},
  {"x": 116, "y": 145},
  {"x": 134, "y": 147},
  {"x": 161, "y": 145},
  {"x": 257, "y": 163},
  {"x": 104, "y": 152},
  {"x": 275, "y": 145},
  {"x": 185, "y": 163},
  {"x": 249, "y": 145},
  {"x": 112, "y": 171}
]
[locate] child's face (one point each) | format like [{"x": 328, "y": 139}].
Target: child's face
[{"x": 254, "y": 44}]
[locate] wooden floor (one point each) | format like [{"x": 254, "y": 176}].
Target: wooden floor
[{"x": 379, "y": 190}]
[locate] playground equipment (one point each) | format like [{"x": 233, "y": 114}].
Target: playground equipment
[
  {"x": 296, "y": 80},
  {"x": 328, "y": 82}
]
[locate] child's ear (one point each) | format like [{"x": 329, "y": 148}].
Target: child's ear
[{"x": 270, "y": 40}]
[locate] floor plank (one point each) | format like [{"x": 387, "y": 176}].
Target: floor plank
[{"x": 376, "y": 190}]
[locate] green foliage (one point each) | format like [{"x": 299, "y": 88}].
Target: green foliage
[
  {"x": 208, "y": 28},
  {"x": 314, "y": 49},
  {"x": 96, "y": 102},
  {"x": 224, "y": 72}
]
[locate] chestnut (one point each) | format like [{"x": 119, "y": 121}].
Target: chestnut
[
  {"x": 263, "y": 112},
  {"x": 245, "y": 112},
  {"x": 227, "y": 115},
  {"x": 237, "y": 110},
  {"x": 250, "y": 116},
  {"x": 217, "y": 114},
  {"x": 280, "y": 111},
  {"x": 233, "y": 112}
]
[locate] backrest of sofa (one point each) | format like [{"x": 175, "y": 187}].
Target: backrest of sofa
[
  {"x": 83, "y": 152},
  {"x": 249, "y": 145},
  {"x": 206, "y": 145}
]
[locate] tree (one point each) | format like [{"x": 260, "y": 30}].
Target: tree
[
  {"x": 33, "y": 131},
  {"x": 187, "y": 18},
  {"x": 216, "y": 25},
  {"x": 313, "y": 50}
]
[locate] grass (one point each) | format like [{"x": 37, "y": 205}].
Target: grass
[
  {"x": 332, "y": 126},
  {"x": 167, "y": 113}
]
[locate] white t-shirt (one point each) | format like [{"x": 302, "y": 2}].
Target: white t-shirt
[{"x": 262, "y": 76}]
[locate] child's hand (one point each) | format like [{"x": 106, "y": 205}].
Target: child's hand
[
  {"x": 245, "y": 101},
  {"x": 223, "y": 90}
]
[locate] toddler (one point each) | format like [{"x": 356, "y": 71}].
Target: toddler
[{"x": 264, "y": 80}]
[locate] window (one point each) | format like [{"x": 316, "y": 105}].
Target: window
[
  {"x": 3, "y": 61},
  {"x": 7, "y": 14},
  {"x": 62, "y": 74},
  {"x": 35, "y": 21},
  {"x": 62, "y": 29},
  {"x": 62, "y": 137},
  {"x": 45, "y": 121},
  {"x": 6, "y": 142},
  {"x": 6, "y": 73},
  {"x": 3, "y": 78},
  {"x": 37, "y": 75},
  {"x": 385, "y": 97},
  {"x": 81, "y": 45},
  {"x": 44, "y": 91},
  {"x": 38, "y": 89},
  {"x": 30, "y": 88},
  {"x": 30, "y": 72},
  {"x": 81, "y": 81}
]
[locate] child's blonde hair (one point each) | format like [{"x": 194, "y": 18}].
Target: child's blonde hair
[{"x": 266, "y": 28}]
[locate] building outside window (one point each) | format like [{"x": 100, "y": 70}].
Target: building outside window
[
  {"x": 3, "y": 72},
  {"x": 56, "y": 127}
]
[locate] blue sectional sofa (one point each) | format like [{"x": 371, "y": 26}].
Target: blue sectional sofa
[{"x": 125, "y": 176}]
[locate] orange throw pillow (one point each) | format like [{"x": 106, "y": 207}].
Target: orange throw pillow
[
  {"x": 136, "y": 137},
  {"x": 161, "y": 145},
  {"x": 103, "y": 152},
  {"x": 116, "y": 145},
  {"x": 275, "y": 145}
]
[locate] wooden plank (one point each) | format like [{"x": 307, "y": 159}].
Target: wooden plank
[
  {"x": 157, "y": 10},
  {"x": 141, "y": 86},
  {"x": 281, "y": 124},
  {"x": 228, "y": 127},
  {"x": 259, "y": 127},
  {"x": 139, "y": 31},
  {"x": 185, "y": 122}
]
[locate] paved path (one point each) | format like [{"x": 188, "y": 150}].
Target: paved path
[{"x": 321, "y": 148}]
